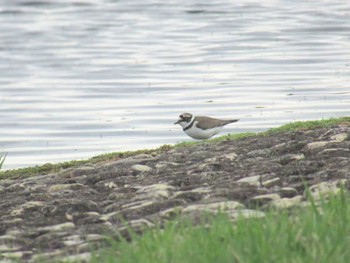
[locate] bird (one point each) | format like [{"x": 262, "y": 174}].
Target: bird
[{"x": 201, "y": 127}]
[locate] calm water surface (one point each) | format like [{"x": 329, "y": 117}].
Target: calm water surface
[{"x": 84, "y": 77}]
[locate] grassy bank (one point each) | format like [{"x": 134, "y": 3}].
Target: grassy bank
[
  {"x": 50, "y": 168},
  {"x": 314, "y": 234}
]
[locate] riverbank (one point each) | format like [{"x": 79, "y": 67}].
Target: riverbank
[{"x": 68, "y": 211}]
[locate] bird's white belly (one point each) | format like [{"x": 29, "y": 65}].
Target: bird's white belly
[{"x": 200, "y": 134}]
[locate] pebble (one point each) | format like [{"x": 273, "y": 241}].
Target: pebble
[
  {"x": 285, "y": 203},
  {"x": 141, "y": 168},
  {"x": 264, "y": 199}
]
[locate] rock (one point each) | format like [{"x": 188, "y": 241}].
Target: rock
[
  {"x": 228, "y": 206},
  {"x": 143, "y": 156},
  {"x": 251, "y": 180},
  {"x": 35, "y": 188},
  {"x": 172, "y": 212},
  {"x": 141, "y": 168},
  {"x": 16, "y": 255},
  {"x": 230, "y": 156},
  {"x": 81, "y": 171},
  {"x": 246, "y": 213},
  {"x": 73, "y": 240},
  {"x": 111, "y": 185},
  {"x": 8, "y": 248},
  {"x": 137, "y": 225},
  {"x": 162, "y": 167},
  {"x": 96, "y": 237},
  {"x": 290, "y": 158},
  {"x": 155, "y": 191},
  {"x": 285, "y": 203},
  {"x": 59, "y": 227},
  {"x": 29, "y": 205},
  {"x": 264, "y": 199},
  {"x": 83, "y": 257},
  {"x": 200, "y": 191},
  {"x": 271, "y": 182},
  {"x": 137, "y": 205},
  {"x": 259, "y": 153},
  {"x": 107, "y": 217},
  {"x": 325, "y": 189},
  {"x": 332, "y": 152},
  {"x": 61, "y": 187},
  {"x": 287, "y": 192},
  {"x": 255, "y": 180},
  {"x": 339, "y": 137},
  {"x": 315, "y": 145}
]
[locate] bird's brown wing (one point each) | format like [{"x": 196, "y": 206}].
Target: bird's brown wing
[{"x": 208, "y": 123}]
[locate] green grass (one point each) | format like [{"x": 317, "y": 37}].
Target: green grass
[
  {"x": 2, "y": 159},
  {"x": 314, "y": 234},
  {"x": 51, "y": 168}
]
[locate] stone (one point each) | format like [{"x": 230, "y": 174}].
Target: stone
[
  {"x": 58, "y": 227},
  {"x": 255, "y": 180},
  {"x": 290, "y": 158},
  {"x": 335, "y": 152},
  {"x": 83, "y": 257},
  {"x": 16, "y": 255},
  {"x": 199, "y": 190},
  {"x": 246, "y": 213},
  {"x": 110, "y": 185},
  {"x": 137, "y": 205},
  {"x": 96, "y": 237},
  {"x": 272, "y": 182},
  {"x": 264, "y": 199},
  {"x": 141, "y": 168},
  {"x": 8, "y": 248},
  {"x": 287, "y": 192},
  {"x": 155, "y": 190},
  {"x": 73, "y": 240},
  {"x": 171, "y": 212},
  {"x": 137, "y": 225},
  {"x": 143, "y": 156},
  {"x": 162, "y": 167},
  {"x": 315, "y": 145},
  {"x": 60, "y": 187},
  {"x": 259, "y": 153},
  {"x": 230, "y": 156},
  {"x": 340, "y": 137},
  {"x": 325, "y": 189},
  {"x": 285, "y": 203},
  {"x": 107, "y": 217},
  {"x": 214, "y": 207},
  {"x": 28, "y": 205}
]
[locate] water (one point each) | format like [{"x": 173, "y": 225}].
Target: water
[{"x": 84, "y": 77}]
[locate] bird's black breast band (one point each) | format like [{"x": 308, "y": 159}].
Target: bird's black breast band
[{"x": 189, "y": 126}]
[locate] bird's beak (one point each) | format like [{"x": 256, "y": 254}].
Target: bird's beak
[{"x": 177, "y": 122}]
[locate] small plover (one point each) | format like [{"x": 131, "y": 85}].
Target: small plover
[{"x": 201, "y": 127}]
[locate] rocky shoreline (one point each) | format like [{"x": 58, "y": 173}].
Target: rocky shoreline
[{"x": 65, "y": 215}]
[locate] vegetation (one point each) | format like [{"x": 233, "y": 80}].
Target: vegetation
[
  {"x": 2, "y": 159},
  {"x": 313, "y": 234},
  {"x": 51, "y": 168}
]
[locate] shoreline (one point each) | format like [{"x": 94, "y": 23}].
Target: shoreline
[{"x": 113, "y": 156}]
